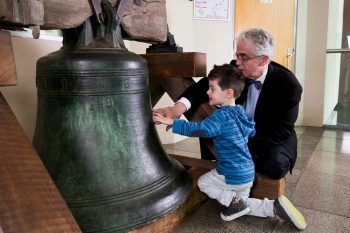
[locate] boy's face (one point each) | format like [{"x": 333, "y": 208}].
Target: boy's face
[{"x": 216, "y": 95}]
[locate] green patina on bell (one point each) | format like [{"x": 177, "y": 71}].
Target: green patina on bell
[{"x": 95, "y": 135}]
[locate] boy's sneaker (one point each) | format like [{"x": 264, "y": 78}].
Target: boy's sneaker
[
  {"x": 235, "y": 211},
  {"x": 287, "y": 211}
]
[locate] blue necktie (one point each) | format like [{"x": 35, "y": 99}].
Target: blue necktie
[{"x": 257, "y": 84}]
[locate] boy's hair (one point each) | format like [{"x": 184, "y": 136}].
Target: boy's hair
[{"x": 229, "y": 77}]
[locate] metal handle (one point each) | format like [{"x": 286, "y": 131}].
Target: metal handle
[
  {"x": 120, "y": 6},
  {"x": 338, "y": 51},
  {"x": 96, "y": 5},
  {"x": 289, "y": 55}
]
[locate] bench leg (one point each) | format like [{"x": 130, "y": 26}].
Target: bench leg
[{"x": 265, "y": 187}]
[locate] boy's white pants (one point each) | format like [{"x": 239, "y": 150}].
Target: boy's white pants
[{"x": 214, "y": 185}]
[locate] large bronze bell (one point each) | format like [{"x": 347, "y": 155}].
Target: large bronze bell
[{"x": 95, "y": 135}]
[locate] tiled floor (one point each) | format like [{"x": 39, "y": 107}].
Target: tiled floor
[{"x": 319, "y": 187}]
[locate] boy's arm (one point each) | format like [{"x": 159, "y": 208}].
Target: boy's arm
[{"x": 208, "y": 128}]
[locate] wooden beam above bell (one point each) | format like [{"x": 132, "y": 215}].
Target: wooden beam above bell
[
  {"x": 176, "y": 65},
  {"x": 8, "y": 75}
]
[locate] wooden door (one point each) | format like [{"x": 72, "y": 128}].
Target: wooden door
[{"x": 277, "y": 17}]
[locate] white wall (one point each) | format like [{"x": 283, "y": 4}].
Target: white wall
[
  {"x": 215, "y": 38},
  {"x": 300, "y": 51},
  {"x": 314, "y": 58},
  {"x": 22, "y": 98}
]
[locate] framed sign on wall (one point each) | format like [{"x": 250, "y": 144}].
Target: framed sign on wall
[{"x": 212, "y": 9}]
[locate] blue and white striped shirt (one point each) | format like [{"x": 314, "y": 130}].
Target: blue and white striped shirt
[{"x": 230, "y": 128}]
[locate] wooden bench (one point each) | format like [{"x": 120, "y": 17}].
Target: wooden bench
[{"x": 264, "y": 186}]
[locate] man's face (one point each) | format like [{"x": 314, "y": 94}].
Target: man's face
[{"x": 251, "y": 65}]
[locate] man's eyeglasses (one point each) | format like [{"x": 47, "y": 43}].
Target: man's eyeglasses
[{"x": 245, "y": 57}]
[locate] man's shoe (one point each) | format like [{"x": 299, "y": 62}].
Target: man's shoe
[
  {"x": 234, "y": 211},
  {"x": 287, "y": 211}
]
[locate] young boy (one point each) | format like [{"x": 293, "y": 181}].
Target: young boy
[{"x": 230, "y": 127}]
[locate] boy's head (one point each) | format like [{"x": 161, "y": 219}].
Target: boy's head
[{"x": 228, "y": 77}]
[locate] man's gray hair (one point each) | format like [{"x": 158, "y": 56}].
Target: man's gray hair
[{"x": 263, "y": 41}]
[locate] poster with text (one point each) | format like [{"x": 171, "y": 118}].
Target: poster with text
[{"x": 212, "y": 9}]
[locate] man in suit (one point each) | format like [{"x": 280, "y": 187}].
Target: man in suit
[{"x": 271, "y": 97}]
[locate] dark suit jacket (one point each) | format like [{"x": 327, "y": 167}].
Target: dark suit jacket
[{"x": 275, "y": 114}]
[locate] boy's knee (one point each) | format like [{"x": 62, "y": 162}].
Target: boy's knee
[{"x": 200, "y": 182}]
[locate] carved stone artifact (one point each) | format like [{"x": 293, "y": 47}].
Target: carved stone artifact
[{"x": 144, "y": 20}]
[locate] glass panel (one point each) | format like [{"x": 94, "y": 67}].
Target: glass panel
[{"x": 337, "y": 82}]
